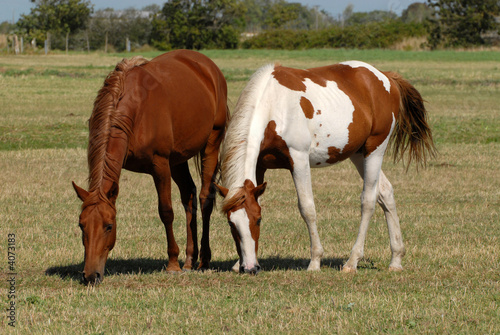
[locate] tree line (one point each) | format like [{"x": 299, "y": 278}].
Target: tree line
[{"x": 229, "y": 24}]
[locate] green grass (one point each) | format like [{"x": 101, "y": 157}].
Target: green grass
[{"x": 449, "y": 214}]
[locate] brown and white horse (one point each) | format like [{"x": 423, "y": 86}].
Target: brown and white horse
[
  {"x": 297, "y": 119},
  {"x": 151, "y": 117}
]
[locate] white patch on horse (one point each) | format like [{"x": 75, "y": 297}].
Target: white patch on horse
[
  {"x": 380, "y": 75},
  {"x": 326, "y": 129},
  {"x": 240, "y": 219}
]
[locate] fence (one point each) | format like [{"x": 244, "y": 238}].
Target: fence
[{"x": 14, "y": 44}]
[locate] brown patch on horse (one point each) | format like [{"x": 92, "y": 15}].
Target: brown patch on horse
[
  {"x": 235, "y": 201},
  {"x": 274, "y": 152},
  {"x": 374, "y": 127},
  {"x": 293, "y": 79},
  {"x": 307, "y": 107}
]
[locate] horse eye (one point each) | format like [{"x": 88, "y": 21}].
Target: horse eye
[
  {"x": 109, "y": 227},
  {"x": 258, "y": 221},
  {"x": 81, "y": 226}
]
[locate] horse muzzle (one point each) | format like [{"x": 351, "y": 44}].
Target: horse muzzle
[
  {"x": 253, "y": 271},
  {"x": 94, "y": 278}
]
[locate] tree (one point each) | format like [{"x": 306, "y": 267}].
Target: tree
[
  {"x": 461, "y": 22},
  {"x": 56, "y": 17},
  {"x": 416, "y": 12},
  {"x": 196, "y": 24},
  {"x": 347, "y": 13},
  {"x": 110, "y": 28},
  {"x": 363, "y": 18},
  {"x": 280, "y": 14},
  {"x": 6, "y": 27}
]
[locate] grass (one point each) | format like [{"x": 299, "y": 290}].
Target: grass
[{"x": 449, "y": 214}]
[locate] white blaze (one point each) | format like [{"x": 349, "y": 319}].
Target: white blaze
[{"x": 240, "y": 219}]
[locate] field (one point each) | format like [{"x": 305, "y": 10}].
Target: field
[{"x": 449, "y": 215}]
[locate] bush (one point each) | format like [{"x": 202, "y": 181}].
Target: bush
[{"x": 366, "y": 36}]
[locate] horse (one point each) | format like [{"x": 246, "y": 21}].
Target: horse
[
  {"x": 298, "y": 119},
  {"x": 151, "y": 117}
]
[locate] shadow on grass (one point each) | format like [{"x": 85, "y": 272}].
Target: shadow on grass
[{"x": 148, "y": 265}]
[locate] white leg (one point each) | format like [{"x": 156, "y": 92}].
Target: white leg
[
  {"x": 302, "y": 178},
  {"x": 369, "y": 169},
  {"x": 386, "y": 201}
]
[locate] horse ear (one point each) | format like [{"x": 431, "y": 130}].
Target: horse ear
[
  {"x": 113, "y": 192},
  {"x": 80, "y": 192},
  {"x": 259, "y": 190},
  {"x": 222, "y": 190}
]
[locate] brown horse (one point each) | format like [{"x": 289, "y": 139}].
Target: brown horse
[
  {"x": 297, "y": 119},
  {"x": 152, "y": 117}
]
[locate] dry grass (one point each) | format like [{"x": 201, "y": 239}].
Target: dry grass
[{"x": 449, "y": 215}]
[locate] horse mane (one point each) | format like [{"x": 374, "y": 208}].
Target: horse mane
[
  {"x": 235, "y": 143},
  {"x": 104, "y": 117}
]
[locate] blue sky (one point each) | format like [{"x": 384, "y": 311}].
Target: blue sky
[{"x": 10, "y": 9}]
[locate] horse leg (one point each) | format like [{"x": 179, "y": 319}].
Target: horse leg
[
  {"x": 209, "y": 169},
  {"x": 388, "y": 204},
  {"x": 163, "y": 185},
  {"x": 369, "y": 168},
  {"x": 302, "y": 178},
  {"x": 187, "y": 189}
]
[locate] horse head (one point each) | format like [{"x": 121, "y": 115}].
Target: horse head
[
  {"x": 98, "y": 224},
  {"x": 244, "y": 216}
]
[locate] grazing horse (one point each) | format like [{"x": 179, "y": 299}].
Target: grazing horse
[
  {"x": 151, "y": 117},
  {"x": 297, "y": 119}
]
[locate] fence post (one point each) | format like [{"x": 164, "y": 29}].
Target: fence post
[
  {"x": 22, "y": 44},
  {"x": 46, "y": 47},
  {"x": 106, "y": 43},
  {"x": 128, "y": 45},
  {"x": 16, "y": 44}
]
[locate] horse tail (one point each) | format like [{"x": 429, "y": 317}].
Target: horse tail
[
  {"x": 219, "y": 160},
  {"x": 198, "y": 159},
  {"x": 104, "y": 117},
  {"x": 412, "y": 132}
]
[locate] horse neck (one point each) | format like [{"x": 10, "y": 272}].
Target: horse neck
[
  {"x": 241, "y": 163},
  {"x": 246, "y": 131}
]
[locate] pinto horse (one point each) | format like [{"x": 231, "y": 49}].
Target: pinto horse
[
  {"x": 151, "y": 117},
  {"x": 297, "y": 119}
]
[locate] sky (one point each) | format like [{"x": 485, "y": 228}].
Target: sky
[{"x": 12, "y": 9}]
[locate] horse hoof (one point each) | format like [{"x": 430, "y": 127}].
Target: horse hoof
[
  {"x": 348, "y": 269},
  {"x": 313, "y": 268},
  {"x": 173, "y": 270},
  {"x": 395, "y": 268},
  {"x": 204, "y": 266}
]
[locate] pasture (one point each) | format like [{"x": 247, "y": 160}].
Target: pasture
[{"x": 449, "y": 217}]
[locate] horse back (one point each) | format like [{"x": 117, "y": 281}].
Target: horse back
[
  {"x": 333, "y": 111},
  {"x": 175, "y": 100}
]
